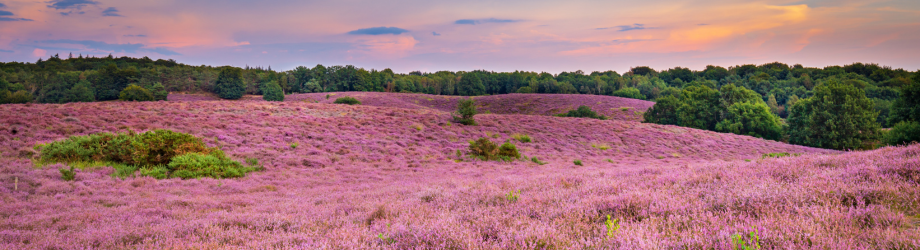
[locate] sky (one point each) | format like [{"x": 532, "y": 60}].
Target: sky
[{"x": 433, "y": 35}]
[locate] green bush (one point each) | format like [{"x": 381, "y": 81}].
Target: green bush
[
  {"x": 583, "y": 112},
  {"x": 578, "y": 163},
  {"x": 521, "y": 138},
  {"x": 150, "y": 152},
  {"x": 347, "y": 100},
  {"x": 215, "y": 165},
  {"x": 135, "y": 93},
  {"x": 485, "y": 149},
  {"x": 508, "y": 151},
  {"x": 20, "y": 96},
  {"x": 466, "y": 108},
  {"x": 230, "y": 83},
  {"x": 159, "y": 92},
  {"x": 903, "y": 133},
  {"x": 838, "y": 116},
  {"x": 271, "y": 91},
  {"x": 629, "y": 92},
  {"x": 68, "y": 175}
]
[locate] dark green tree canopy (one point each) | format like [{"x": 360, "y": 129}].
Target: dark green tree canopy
[
  {"x": 838, "y": 116},
  {"x": 230, "y": 83},
  {"x": 271, "y": 91}
]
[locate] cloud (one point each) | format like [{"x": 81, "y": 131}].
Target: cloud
[
  {"x": 621, "y": 28},
  {"x": 70, "y": 4},
  {"x": 3, "y": 50},
  {"x": 486, "y": 20},
  {"x": 111, "y": 11},
  {"x": 138, "y": 35},
  {"x": 5, "y": 13},
  {"x": 2, "y": 5},
  {"x": 378, "y": 31},
  {"x": 127, "y": 48},
  {"x": 13, "y": 19},
  {"x": 435, "y": 34}
]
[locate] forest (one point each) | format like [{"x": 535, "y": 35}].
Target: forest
[{"x": 773, "y": 101}]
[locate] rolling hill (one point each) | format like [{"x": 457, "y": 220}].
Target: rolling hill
[{"x": 387, "y": 174}]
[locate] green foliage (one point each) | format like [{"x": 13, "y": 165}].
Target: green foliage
[
  {"x": 521, "y": 138},
  {"x": 508, "y": 150},
  {"x": 294, "y": 145},
  {"x": 271, "y": 91},
  {"x": 159, "y": 92},
  {"x": 312, "y": 86},
  {"x": 751, "y": 119},
  {"x": 466, "y": 108},
  {"x": 777, "y": 155},
  {"x": 135, "y": 93},
  {"x": 21, "y": 96},
  {"x": 471, "y": 85},
  {"x": 81, "y": 92},
  {"x": 664, "y": 111},
  {"x": 537, "y": 161},
  {"x": 347, "y": 100},
  {"x": 214, "y": 165},
  {"x": 612, "y": 226},
  {"x": 751, "y": 242},
  {"x": 903, "y": 133},
  {"x": 485, "y": 149},
  {"x": 525, "y": 90},
  {"x": 68, "y": 175},
  {"x": 907, "y": 106},
  {"x": 838, "y": 116},
  {"x": 583, "y": 112},
  {"x": 152, "y": 152},
  {"x": 578, "y": 163},
  {"x": 629, "y": 92},
  {"x": 700, "y": 108},
  {"x": 230, "y": 83},
  {"x": 512, "y": 196}
]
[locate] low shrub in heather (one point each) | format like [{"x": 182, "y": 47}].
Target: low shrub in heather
[
  {"x": 136, "y": 93},
  {"x": 903, "y": 133},
  {"x": 521, "y": 138},
  {"x": 578, "y": 163},
  {"x": 215, "y": 165},
  {"x": 347, "y": 100},
  {"x": 153, "y": 153},
  {"x": 485, "y": 149},
  {"x": 68, "y": 175},
  {"x": 466, "y": 108},
  {"x": 583, "y": 112}
]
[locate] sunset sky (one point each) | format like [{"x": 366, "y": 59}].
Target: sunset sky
[{"x": 432, "y": 35}]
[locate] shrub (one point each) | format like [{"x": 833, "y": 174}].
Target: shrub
[
  {"x": 151, "y": 152},
  {"x": 346, "y": 100},
  {"x": 230, "y": 83},
  {"x": 484, "y": 148},
  {"x": 583, "y": 112},
  {"x": 214, "y": 165},
  {"x": 629, "y": 92},
  {"x": 903, "y": 133},
  {"x": 20, "y": 96},
  {"x": 159, "y": 92},
  {"x": 521, "y": 138},
  {"x": 509, "y": 151},
  {"x": 68, "y": 175},
  {"x": 271, "y": 91},
  {"x": 467, "y": 109},
  {"x": 135, "y": 93},
  {"x": 578, "y": 163},
  {"x": 158, "y": 147}
]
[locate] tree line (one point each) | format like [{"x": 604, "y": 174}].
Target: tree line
[{"x": 745, "y": 99}]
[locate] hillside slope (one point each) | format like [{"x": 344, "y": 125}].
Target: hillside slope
[
  {"x": 526, "y": 104},
  {"x": 367, "y": 176}
]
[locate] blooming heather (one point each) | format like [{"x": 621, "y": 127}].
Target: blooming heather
[{"x": 366, "y": 177}]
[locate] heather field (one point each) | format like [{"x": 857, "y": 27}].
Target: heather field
[
  {"x": 528, "y": 104},
  {"x": 387, "y": 175}
]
